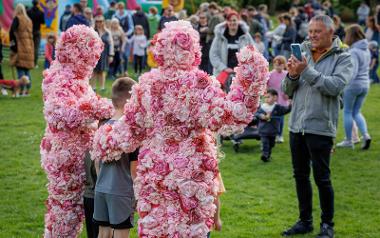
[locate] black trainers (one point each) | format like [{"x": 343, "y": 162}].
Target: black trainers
[
  {"x": 265, "y": 158},
  {"x": 300, "y": 227},
  {"x": 327, "y": 231},
  {"x": 366, "y": 143}
]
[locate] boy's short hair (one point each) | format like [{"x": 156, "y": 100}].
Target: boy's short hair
[
  {"x": 272, "y": 92},
  {"x": 279, "y": 59},
  {"x": 121, "y": 89}
]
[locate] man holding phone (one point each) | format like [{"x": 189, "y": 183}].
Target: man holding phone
[{"x": 315, "y": 83}]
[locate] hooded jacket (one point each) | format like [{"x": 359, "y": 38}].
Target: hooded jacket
[
  {"x": 219, "y": 46},
  {"x": 77, "y": 20},
  {"x": 361, "y": 59},
  {"x": 317, "y": 91}
]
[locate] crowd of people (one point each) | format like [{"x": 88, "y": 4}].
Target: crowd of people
[{"x": 338, "y": 65}]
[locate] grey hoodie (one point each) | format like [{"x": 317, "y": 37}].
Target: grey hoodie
[
  {"x": 361, "y": 59},
  {"x": 317, "y": 91},
  {"x": 219, "y": 50}
]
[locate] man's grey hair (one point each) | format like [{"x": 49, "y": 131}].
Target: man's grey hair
[{"x": 326, "y": 20}]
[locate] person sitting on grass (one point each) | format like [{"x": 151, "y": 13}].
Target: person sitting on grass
[
  {"x": 16, "y": 85},
  {"x": 114, "y": 195},
  {"x": 269, "y": 115}
]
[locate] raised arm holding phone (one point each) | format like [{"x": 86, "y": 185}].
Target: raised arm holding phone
[{"x": 315, "y": 83}]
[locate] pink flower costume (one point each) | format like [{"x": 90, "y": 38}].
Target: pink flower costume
[
  {"x": 172, "y": 116},
  {"x": 71, "y": 109}
]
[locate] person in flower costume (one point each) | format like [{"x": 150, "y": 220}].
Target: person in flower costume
[
  {"x": 71, "y": 110},
  {"x": 173, "y": 115}
]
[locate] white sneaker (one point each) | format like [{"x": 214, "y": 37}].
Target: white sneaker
[
  {"x": 356, "y": 141},
  {"x": 345, "y": 144},
  {"x": 4, "y": 92},
  {"x": 279, "y": 139}
]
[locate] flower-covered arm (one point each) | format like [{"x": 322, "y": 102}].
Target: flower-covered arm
[
  {"x": 125, "y": 135},
  {"x": 231, "y": 114}
]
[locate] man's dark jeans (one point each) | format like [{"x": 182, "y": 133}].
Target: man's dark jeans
[{"x": 310, "y": 150}]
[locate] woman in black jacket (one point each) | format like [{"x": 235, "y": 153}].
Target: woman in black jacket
[{"x": 288, "y": 37}]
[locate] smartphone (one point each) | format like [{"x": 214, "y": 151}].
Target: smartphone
[{"x": 296, "y": 51}]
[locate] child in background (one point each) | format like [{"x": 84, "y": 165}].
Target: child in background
[
  {"x": 49, "y": 50},
  {"x": 139, "y": 44},
  {"x": 259, "y": 44},
  {"x": 374, "y": 49},
  {"x": 275, "y": 78},
  {"x": 269, "y": 114},
  {"x": 114, "y": 195}
]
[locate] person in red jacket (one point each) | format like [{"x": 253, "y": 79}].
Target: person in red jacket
[{"x": 49, "y": 50}]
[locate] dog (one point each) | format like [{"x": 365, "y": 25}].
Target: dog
[{"x": 15, "y": 85}]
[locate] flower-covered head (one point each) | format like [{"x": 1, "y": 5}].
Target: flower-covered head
[
  {"x": 80, "y": 46},
  {"x": 177, "y": 46}
]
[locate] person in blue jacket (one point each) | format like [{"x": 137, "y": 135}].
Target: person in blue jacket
[{"x": 77, "y": 17}]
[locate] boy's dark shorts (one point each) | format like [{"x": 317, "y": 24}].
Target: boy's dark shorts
[{"x": 113, "y": 211}]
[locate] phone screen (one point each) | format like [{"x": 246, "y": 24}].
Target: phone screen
[{"x": 296, "y": 51}]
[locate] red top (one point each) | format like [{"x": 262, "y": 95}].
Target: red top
[
  {"x": 9, "y": 83},
  {"x": 49, "y": 52}
]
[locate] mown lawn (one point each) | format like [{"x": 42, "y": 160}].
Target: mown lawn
[{"x": 260, "y": 200}]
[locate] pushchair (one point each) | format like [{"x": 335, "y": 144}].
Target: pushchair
[{"x": 250, "y": 132}]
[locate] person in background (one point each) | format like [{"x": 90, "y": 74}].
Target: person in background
[
  {"x": 315, "y": 85},
  {"x": 339, "y": 28},
  {"x": 87, "y": 13},
  {"x": 269, "y": 114},
  {"x": 139, "y": 43},
  {"x": 37, "y": 17},
  {"x": 126, "y": 22},
  {"x": 328, "y": 8},
  {"x": 65, "y": 18},
  {"x": 118, "y": 43},
  {"x": 374, "y": 49},
  {"x": 259, "y": 44},
  {"x": 288, "y": 37},
  {"x": 275, "y": 36},
  {"x": 21, "y": 37},
  {"x": 215, "y": 17},
  {"x": 139, "y": 18},
  {"x": 276, "y": 76},
  {"x": 230, "y": 37},
  {"x": 153, "y": 21},
  {"x": 49, "y": 50},
  {"x": 77, "y": 17},
  {"x": 83, "y": 3},
  {"x": 107, "y": 55},
  {"x": 363, "y": 12},
  {"x": 111, "y": 11},
  {"x": 168, "y": 16},
  {"x": 300, "y": 20},
  {"x": 205, "y": 49},
  {"x": 254, "y": 25},
  {"x": 99, "y": 11},
  {"x": 357, "y": 89},
  {"x": 371, "y": 31}
]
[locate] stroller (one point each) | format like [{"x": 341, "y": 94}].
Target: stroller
[{"x": 250, "y": 132}]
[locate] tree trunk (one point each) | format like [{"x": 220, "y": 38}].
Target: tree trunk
[{"x": 272, "y": 6}]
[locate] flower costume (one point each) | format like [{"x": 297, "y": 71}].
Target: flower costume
[
  {"x": 71, "y": 109},
  {"x": 172, "y": 116}
]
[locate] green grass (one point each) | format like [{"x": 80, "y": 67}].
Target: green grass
[{"x": 260, "y": 200}]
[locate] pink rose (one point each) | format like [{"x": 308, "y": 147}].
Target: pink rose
[
  {"x": 188, "y": 204},
  {"x": 161, "y": 168},
  {"x": 180, "y": 162},
  {"x": 183, "y": 40},
  {"x": 210, "y": 163},
  {"x": 198, "y": 176}
]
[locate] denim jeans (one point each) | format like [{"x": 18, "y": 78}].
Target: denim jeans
[
  {"x": 373, "y": 75},
  {"x": 310, "y": 150},
  {"x": 267, "y": 144},
  {"x": 21, "y": 72},
  {"x": 353, "y": 99}
]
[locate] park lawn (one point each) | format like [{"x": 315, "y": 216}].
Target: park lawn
[{"x": 260, "y": 200}]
